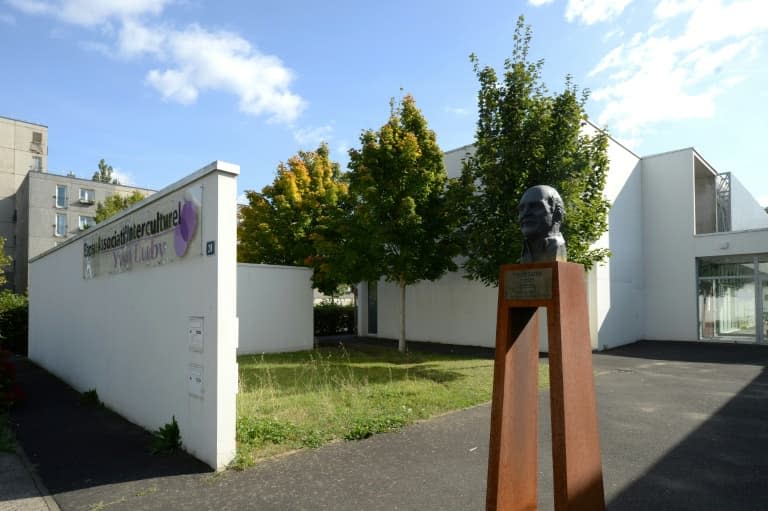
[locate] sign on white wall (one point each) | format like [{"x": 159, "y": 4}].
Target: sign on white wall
[{"x": 160, "y": 233}]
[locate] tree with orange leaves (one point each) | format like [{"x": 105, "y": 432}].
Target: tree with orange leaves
[{"x": 280, "y": 224}]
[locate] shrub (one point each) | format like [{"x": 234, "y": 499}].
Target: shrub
[
  {"x": 167, "y": 438},
  {"x": 91, "y": 398},
  {"x": 14, "y": 310},
  {"x": 333, "y": 319},
  {"x": 10, "y": 392}
]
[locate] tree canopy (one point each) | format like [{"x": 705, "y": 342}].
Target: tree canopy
[
  {"x": 114, "y": 204},
  {"x": 398, "y": 193},
  {"x": 104, "y": 174},
  {"x": 526, "y": 136},
  {"x": 284, "y": 222}
]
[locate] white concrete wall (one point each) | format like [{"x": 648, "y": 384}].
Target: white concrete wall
[
  {"x": 668, "y": 247},
  {"x": 732, "y": 243},
  {"x": 274, "y": 304},
  {"x": 453, "y": 159},
  {"x": 746, "y": 212},
  {"x": 452, "y": 310},
  {"x": 617, "y": 288},
  {"x": 127, "y": 334}
]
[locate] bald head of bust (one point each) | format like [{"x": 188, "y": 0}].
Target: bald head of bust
[{"x": 540, "y": 214}]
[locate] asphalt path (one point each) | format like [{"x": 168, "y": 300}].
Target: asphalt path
[{"x": 683, "y": 426}]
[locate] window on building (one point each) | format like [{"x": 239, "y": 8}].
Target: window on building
[
  {"x": 729, "y": 298},
  {"x": 37, "y": 163},
  {"x": 87, "y": 196},
  {"x": 61, "y": 224},
  {"x": 37, "y": 142},
  {"x": 61, "y": 196},
  {"x": 84, "y": 222}
]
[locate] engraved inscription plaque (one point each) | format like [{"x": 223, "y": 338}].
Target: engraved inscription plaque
[{"x": 528, "y": 284}]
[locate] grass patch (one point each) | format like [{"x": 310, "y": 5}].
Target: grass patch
[{"x": 300, "y": 400}]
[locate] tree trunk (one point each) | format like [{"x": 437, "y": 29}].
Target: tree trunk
[
  {"x": 354, "y": 310},
  {"x": 401, "y": 339}
]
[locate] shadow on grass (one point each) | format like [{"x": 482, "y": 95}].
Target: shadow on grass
[{"x": 337, "y": 367}]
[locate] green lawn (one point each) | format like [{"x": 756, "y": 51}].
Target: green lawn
[{"x": 298, "y": 400}]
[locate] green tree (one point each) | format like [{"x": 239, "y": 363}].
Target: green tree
[
  {"x": 114, "y": 204},
  {"x": 398, "y": 191},
  {"x": 527, "y": 137},
  {"x": 104, "y": 174},
  {"x": 283, "y": 223}
]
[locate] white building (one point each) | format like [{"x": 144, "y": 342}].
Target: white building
[{"x": 689, "y": 262}]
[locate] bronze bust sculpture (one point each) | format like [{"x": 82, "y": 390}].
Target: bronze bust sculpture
[{"x": 541, "y": 212}]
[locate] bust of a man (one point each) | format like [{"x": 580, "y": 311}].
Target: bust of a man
[{"x": 541, "y": 213}]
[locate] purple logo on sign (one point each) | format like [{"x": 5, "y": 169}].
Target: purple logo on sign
[{"x": 186, "y": 228}]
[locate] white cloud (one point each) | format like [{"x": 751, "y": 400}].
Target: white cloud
[
  {"x": 125, "y": 178},
  {"x": 192, "y": 60},
  {"x": 671, "y": 8},
  {"x": 538, "y": 3},
  {"x": 97, "y": 47},
  {"x": 763, "y": 200},
  {"x": 457, "y": 110},
  {"x": 342, "y": 148},
  {"x": 661, "y": 75},
  {"x": 135, "y": 39},
  {"x": 91, "y": 12},
  {"x": 590, "y": 12},
  {"x": 201, "y": 60},
  {"x": 313, "y": 137}
]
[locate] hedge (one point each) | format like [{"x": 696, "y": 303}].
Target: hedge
[
  {"x": 333, "y": 319},
  {"x": 14, "y": 320}
]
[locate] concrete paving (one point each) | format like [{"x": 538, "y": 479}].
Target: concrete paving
[
  {"x": 683, "y": 426},
  {"x": 20, "y": 489}
]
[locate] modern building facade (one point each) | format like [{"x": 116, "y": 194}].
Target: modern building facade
[
  {"x": 39, "y": 210},
  {"x": 689, "y": 262}
]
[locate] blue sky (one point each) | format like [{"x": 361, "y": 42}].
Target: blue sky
[{"x": 160, "y": 88}]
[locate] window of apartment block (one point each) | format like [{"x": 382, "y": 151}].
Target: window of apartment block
[
  {"x": 84, "y": 222},
  {"x": 87, "y": 196},
  {"x": 37, "y": 163},
  {"x": 61, "y": 196},
  {"x": 61, "y": 224},
  {"x": 37, "y": 142}
]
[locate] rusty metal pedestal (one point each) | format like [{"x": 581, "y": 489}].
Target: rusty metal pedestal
[{"x": 512, "y": 463}]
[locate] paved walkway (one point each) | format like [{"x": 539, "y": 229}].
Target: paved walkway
[{"x": 683, "y": 427}]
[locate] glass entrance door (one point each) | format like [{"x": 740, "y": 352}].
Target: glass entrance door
[{"x": 728, "y": 291}]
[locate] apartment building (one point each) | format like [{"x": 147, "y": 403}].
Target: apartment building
[{"x": 39, "y": 210}]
